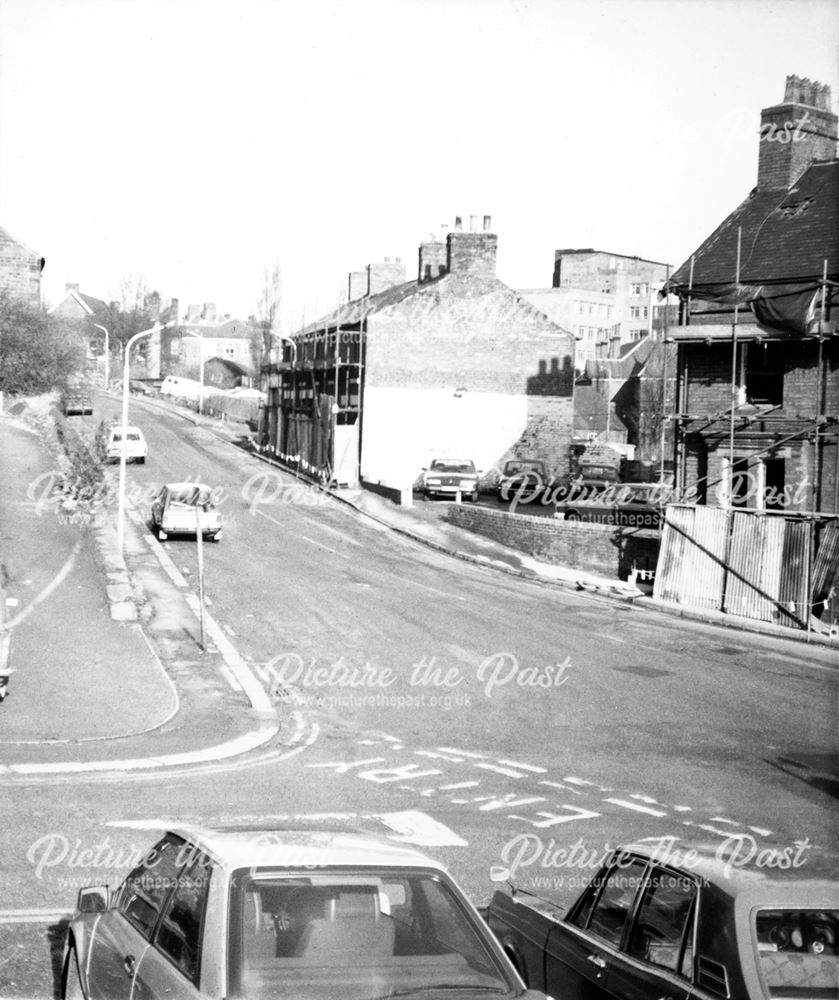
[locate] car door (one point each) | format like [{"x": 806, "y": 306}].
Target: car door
[
  {"x": 581, "y": 948},
  {"x": 171, "y": 966},
  {"x": 123, "y": 932},
  {"x": 657, "y": 957}
]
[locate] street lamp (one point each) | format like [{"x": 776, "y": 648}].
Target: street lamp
[
  {"x": 191, "y": 333},
  {"x": 107, "y": 353},
  {"x": 125, "y": 371},
  {"x": 608, "y": 399}
]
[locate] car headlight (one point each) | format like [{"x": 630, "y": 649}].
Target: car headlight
[{"x": 432, "y": 482}]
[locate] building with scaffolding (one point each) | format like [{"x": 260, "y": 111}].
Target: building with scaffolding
[
  {"x": 453, "y": 363},
  {"x": 757, "y": 421}
]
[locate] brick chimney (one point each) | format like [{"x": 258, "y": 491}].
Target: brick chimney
[
  {"x": 70, "y": 288},
  {"x": 357, "y": 285},
  {"x": 385, "y": 275},
  {"x": 472, "y": 253},
  {"x": 209, "y": 312},
  {"x": 795, "y": 133},
  {"x": 432, "y": 259},
  {"x": 193, "y": 313}
]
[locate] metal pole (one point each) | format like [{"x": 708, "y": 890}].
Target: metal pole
[
  {"x": 664, "y": 382},
  {"x": 734, "y": 387},
  {"x": 107, "y": 354},
  {"x": 821, "y": 382},
  {"x": 201, "y": 376},
  {"x": 199, "y": 537}
]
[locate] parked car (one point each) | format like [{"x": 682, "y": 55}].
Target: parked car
[
  {"x": 139, "y": 388},
  {"x": 179, "y": 509},
  {"x": 449, "y": 476},
  {"x": 131, "y": 442},
  {"x": 523, "y": 479},
  {"x": 304, "y": 914},
  {"x": 76, "y": 403},
  {"x": 703, "y": 929},
  {"x": 626, "y": 505}
]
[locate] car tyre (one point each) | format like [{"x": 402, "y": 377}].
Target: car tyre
[
  {"x": 72, "y": 988},
  {"x": 216, "y": 537}
]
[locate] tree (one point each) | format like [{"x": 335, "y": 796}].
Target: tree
[
  {"x": 36, "y": 354},
  {"x": 268, "y": 306}
]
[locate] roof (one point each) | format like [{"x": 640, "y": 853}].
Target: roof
[
  {"x": 786, "y": 235},
  {"x": 234, "y": 366},
  {"x": 312, "y": 846},
  {"x": 88, "y": 304},
  {"x": 633, "y": 358},
  {"x": 606, "y": 253}
]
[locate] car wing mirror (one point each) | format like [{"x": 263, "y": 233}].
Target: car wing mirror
[{"x": 93, "y": 899}]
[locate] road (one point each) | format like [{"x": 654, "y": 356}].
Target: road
[{"x": 495, "y": 706}]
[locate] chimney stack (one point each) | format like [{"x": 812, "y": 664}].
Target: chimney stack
[
  {"x": 795, "y": 133},
  {"x": 432, "y": 259},
  {"x": 385, "y": 275},
  {"x": 472, "y": 254},
  {"x": 357, "y": 285}
]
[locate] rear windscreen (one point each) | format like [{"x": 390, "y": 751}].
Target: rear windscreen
[{"x": 797, "y": 952}]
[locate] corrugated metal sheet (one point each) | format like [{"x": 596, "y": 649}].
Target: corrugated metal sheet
[
  {"x": 793, "y": 596},
  {"x": 690, "y": 565},
  {"x": 753, "y": 580},
  {"x": 826, "y": 566}
]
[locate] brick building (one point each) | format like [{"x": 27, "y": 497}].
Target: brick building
[
  {"x": 453, "y": 363},
  {"x": 758, "y": 352},
  {"x": 205, "y": 334},
  {"x": 20, "y": 270}
]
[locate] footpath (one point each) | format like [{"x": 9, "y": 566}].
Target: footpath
[{"x": 73, "y": 599}]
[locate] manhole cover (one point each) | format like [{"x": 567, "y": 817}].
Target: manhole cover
[{"x": 644, "y": 671}]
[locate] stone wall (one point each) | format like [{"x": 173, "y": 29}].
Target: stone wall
[{"x": 20, "y": 270}]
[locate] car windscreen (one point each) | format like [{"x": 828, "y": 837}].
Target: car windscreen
[
  {"x": 191, "y": 497},
  {"x": 354, "y": 936},
  {"x": 441, "y": 466},
  {"x": 516, "y": 468},
  {"x": 798, "y": 952}
]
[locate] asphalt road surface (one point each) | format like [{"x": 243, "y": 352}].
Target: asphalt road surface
[{"x": 499, "y": 708}]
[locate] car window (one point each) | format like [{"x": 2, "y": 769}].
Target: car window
[
  {"x": 143, "y": 892},
  {"x": 179, "y": 933},
  {"x": 798, "y": 951},
  {"x": 662, "y": 927},
  {"x": 607, "y": 916}
]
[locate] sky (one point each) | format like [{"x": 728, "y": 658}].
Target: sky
[{"x": 192, "y": 144}]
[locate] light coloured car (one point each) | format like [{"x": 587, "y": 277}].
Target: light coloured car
[
  {"x": 304, "y": 914},
  {"x": 183, "y": 509},
  {"x": 128, "y": 439},
  {"x": 448, "y": 477}
]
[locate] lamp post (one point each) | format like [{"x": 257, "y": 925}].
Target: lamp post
[
  {"x": 200, "y": 336},
  {"x": 608, "y": 400},
  {"x": 122, "y": 457},
  {"x": 107, "y": 353}
]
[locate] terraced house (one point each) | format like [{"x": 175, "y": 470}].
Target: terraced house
[{"x": 452, "y": 363}]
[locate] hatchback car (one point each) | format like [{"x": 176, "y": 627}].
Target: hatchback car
[
  {"x": 129, "y": 440},
  {"x": 304, "y": 914},
  {"x": 448, "y": 477},
  {"x": 184, "y": 509},
  {"x": 77, "y": 403}
]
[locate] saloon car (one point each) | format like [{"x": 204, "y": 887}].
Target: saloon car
[
  {"x": 449, "y": 477},
  {"x": 184, "y": 509},
  {"x": 299, "y": 914},
  {"x": 127, "y": 439},
  {"x": 698, "y": 927},
  {"x": 77, "y": 403}
]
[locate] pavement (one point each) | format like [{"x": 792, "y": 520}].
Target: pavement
[{"x": 107, "y": 618}]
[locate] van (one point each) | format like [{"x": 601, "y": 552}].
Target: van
[
  {"x": 134, "y": 444},
  {"x": 180, "y": 388}
]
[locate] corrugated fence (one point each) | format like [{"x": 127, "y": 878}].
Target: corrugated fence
[{"x": 769, "y": 567}]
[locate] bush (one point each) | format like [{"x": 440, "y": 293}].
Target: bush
[{"x": 36, "y": 354}]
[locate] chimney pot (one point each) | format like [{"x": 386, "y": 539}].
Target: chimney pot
[
  {"x": 487, "y": 223},
  {"x": 458, "y": 222},
  {"x": 473, "y": 223}
]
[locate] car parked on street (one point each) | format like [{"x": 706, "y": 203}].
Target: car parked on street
[
  {"x": 130, "y": 440},
  {"x": 624, "y": 505},
  {"x": 446, "y": 477},
  {"x": 523, "y": 480},
  {"x": 310, "y": 914},
  {"x": 183, "y": 508},
  {"x": 691, "y": 926}
]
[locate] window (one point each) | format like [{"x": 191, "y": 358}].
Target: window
[
  {"x": 638, "y": 312},
  {"x": 143, "y": 892},
  {"x": 764, "y": 374},
  {"x": 179, "y": 934},
  {"x": 797, "y": 951},
  {"x": 607, "y": 916},
  {"x": 662, "y": 931}
]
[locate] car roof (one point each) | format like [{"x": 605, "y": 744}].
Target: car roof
[
  {"x": 294, "y": 847},
  {"x": 117, "y": 426},
  {"x": 183, "y": 487},
  {"x": 740, "y": 868}
]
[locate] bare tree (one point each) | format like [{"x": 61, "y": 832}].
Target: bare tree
[{"x": 268, "y": 305}]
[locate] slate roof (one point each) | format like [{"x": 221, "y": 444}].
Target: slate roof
[{"x": 786, "y": 235}]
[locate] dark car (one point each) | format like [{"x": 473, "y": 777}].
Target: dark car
[
  {"x": 77, "y": 403},
  {"x": 523, "y": 480},
  {"x": 652, "y": 924},
  {"x": 624, "y": 505},
  {"x": 139, "y": 388}
]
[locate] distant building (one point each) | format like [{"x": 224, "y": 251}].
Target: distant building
[
  {"x": 20, "y": 270},
  {"x": 203, "y": 333},
  {"x": 606, "y": 300},
  {"x": 79, "y": 312},
  {"x": 451, "y": 364}
]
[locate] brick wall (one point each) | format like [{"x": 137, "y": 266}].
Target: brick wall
[
  {"x": 596, "y": 548},
  {"x": 20, "y": 270}
]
